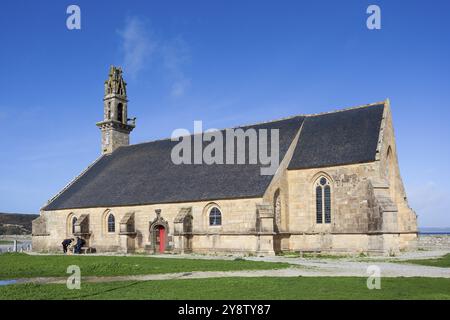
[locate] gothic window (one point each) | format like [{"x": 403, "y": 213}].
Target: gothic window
[
  {"x": 120, "y": 112},
  {"x": 108, "y": 114},
  {"x": 74, "y": 220},
  {"x": 215, "y": 217},
  {"x": 327, "y": 203},
  {"x": 319, "y": 204},
  {"x": 111, "y": 223},
  {"x": 323, "y": 200}
]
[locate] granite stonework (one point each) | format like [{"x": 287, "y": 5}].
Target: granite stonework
[{"x": 368, "y": 211}]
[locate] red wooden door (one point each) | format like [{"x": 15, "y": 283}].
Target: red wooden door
[{"x": 162, "y": 240}]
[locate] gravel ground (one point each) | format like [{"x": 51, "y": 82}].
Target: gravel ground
[
  {"x": 305, "y": 267},
  {"x": 310, "y": 269}
]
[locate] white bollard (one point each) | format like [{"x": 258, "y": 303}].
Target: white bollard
[{"x": 15, "y": 245}]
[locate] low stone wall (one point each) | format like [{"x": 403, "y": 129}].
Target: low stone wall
[
  {"x": 22, "y": 245},
  {"x": 435, "y": 242}
]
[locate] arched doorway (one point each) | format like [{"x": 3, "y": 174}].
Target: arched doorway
[
  {"x": 160, "y": 238},
  {"x": 159, "y": 234}
]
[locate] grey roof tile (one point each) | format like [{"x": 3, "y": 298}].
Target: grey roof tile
[
  {"x": 338, "y": 138},
  {"x": 144, "y": 174}
]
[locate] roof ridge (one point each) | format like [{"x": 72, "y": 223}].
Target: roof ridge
[
  {"x": 275, "y": 120},
  {"x": 240, "y": 126},
  {"x": 368, "y": 105}
]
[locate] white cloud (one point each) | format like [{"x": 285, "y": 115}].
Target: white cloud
[
  {"x": 175, "y": 54},
  {"x": 137, "y": 44},
  {"x": 179, "y": 87},
  {"x": 140, "y": 48}
]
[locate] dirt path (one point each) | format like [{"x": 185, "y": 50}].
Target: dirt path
[{"x": 301, "y": 267}]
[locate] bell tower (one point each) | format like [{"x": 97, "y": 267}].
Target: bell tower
[{"x": 115, "y": 126}]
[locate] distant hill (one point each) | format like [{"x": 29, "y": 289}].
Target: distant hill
[{"x": 16, "y": 223}]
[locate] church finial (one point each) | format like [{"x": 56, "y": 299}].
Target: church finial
[
  {"x": 115, "y": 83},
  {"x": 115, "y": 126}
]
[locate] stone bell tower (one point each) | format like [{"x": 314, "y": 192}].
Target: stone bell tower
[{"x": 115, "y": 126}]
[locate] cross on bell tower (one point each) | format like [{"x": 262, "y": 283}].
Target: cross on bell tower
[{"x": 115, "y": 126}]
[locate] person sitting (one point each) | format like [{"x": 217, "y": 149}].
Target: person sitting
[{"x": 65, "y": 244}]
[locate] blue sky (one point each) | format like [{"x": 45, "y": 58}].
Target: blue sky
[{"x": 226, "y": 63}]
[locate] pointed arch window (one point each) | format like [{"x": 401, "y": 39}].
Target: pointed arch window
[
  {"x": 323, "y": 200},
  {"x": 111, "y": 223},
  {"x": 215, "y": 217},
  {"x": 74, "y": 221}
]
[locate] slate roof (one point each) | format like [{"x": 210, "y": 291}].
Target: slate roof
[
  {"x": 144, "y": 173},
  {"x": 338, "y": 138}
]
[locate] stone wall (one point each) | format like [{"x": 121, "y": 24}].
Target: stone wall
[
  {"x": 435, "y": 242},
  {"x": 113, "y": 138},
  {"x": 369, "y": 211},
  {"x": 350, "y": 207},
  {"x": 236, "y": 234}
]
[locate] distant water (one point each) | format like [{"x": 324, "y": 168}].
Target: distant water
[
  {"x": 434, "y": 230},
  {"x": 434, "y": 233},
  {"x": 7, "y": 282}
]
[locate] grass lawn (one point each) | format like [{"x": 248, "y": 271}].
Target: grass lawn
[
  {"x": 443, "y": 262},
  {"x": 20, "y": 265},
  {"x": 6, "y": 242},
  {"x": 240, "y": 289}
]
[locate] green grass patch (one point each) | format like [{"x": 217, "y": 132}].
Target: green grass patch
[
  {"x": 19, "y": 265},
  {"x": 5, "y": 242},
  {"x": 443, "y": 262},
  {"x": 271, "y": 288}
]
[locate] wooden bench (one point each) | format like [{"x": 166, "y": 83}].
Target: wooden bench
[
  {"x": 86, "y": 250},
  {"x": 83, "y": 250}
]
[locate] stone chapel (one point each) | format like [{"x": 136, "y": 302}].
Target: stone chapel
[{"x": 337, "y": 189}]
